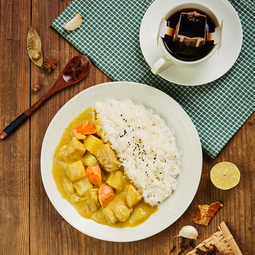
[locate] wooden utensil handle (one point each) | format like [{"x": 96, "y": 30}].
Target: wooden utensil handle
[
  {"x": 17, "y": 122},
  {"x": 36, "y": 105},
  {"x": 13, "y": 126}
]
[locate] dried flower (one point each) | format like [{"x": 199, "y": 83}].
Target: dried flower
[
  {"x": 50, "y": 64},
  {"x": 36, "y": 87}
]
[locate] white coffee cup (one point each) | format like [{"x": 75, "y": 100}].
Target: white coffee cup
[{"x": 167, "y": 60}]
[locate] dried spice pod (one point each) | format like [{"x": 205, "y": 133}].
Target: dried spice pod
[
  {"x": 36, "y": 87},
  {"x": 74, "y": 69},
  {"x": 34, "y": 46},
  {"x": 50, "y": 64}
]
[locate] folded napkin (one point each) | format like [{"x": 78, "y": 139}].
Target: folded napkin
[{"x": 109, "y": 36}]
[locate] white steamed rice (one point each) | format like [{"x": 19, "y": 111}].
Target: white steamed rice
[{"x": 145, "y": 146}]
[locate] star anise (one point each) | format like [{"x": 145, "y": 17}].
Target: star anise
[
  {"x": 74, "y": 69},
  {"x": 50, "y": 64}
]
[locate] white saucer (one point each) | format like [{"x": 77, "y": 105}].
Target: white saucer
[{"x": 209, "y": 70}]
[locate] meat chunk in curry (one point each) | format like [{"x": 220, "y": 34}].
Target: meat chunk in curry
[{"x": 107, "y": 158}]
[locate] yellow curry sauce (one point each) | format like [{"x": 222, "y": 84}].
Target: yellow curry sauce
[{"x": 139, "y": 212}]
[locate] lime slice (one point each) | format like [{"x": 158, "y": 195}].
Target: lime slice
[
  {"x": 73, "y": 23},
  {"x": 225, "y": 175}
]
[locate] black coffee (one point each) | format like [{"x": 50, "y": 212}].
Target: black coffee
[{"x": 188, "y": 53}]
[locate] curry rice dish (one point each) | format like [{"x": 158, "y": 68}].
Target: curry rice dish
[{"x": 115, "y": 163}]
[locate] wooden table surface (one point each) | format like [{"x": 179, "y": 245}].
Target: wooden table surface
[{"x": 29, "y": 224}]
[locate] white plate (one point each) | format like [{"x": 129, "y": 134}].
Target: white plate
[
  {"x": 209, "y": 70},
  {"x": 187, "y": 139}
]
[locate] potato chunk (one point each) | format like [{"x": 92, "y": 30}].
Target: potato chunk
[
  {"x": 115, "y": 180},
  {"x": 89, "y": 159},
  {"x": 92, "y": 144},
  {"x": 74, "y": 150},
  {"x": 99, "y": 216},
  {"x": 93, "y": 200},
  {"x": 110, "y": 215},
  {"x": 75, "y": 171},
  {"x": 75, "y": 198},
  {"x": 121, "y": 211},
  {"x": 68, "y": 186},
  {"x": 132, "y": 196},
  {"x": 63, "y": 154},
  {"x": 78, "y": 135},
  {"x": 137, "y": 216},
  {"x": 82, "y": 186},
  {"x": 106, "y": 156}
]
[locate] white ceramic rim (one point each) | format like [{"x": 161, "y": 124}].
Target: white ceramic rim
[{"x": 187, "y": 140}]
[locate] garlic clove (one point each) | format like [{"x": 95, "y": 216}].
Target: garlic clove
[
  {"x": 188, "y": 232},
  {"x": 73, "y": 23}
]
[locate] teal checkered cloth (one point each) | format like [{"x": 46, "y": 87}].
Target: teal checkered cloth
[{"x": 217, "y": 109}]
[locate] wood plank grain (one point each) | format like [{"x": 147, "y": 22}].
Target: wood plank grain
[
  {"x": 14, "y": 156},
  {"x": 45, "y": 223}
]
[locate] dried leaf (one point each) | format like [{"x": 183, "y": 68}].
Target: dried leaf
[{"x": 34, "y": 45}]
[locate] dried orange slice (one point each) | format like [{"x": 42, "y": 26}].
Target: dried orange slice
[{"x": 225, "y": 175}]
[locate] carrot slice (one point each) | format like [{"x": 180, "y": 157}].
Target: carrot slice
[
  {"x": 94, "y": 174},
  {"x": 105, "y": 194},
  {"x": 85, "y": 129}
]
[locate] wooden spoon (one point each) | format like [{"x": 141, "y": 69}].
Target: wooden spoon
[{"x": 66, "y": 78}]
